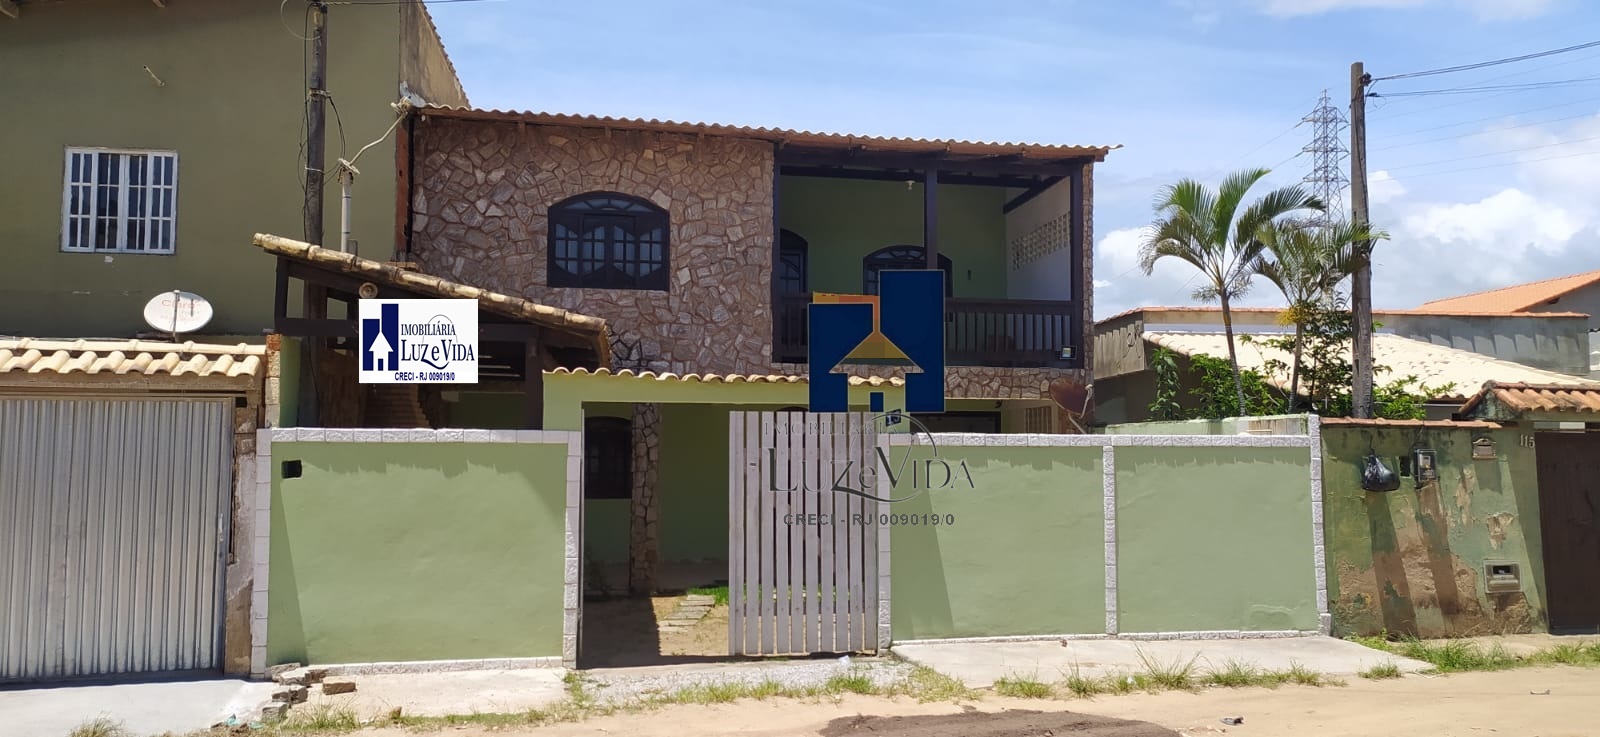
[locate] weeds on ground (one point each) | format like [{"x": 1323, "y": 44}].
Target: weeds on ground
[
  {"x": 926, "y": 684},
  {"x": 1082, "y": 687},
  {"x": 1460, "y": 656},
  {"x": 325, "y": 717},
  {"x": 101, "y": 727},
  {"x": 1018, "y": 687},
  {"x": 1235, "y": 674},
  {"x": 719, "y": 593},
  {"x": 1174, "y": 676},
  {"x": 1381, "y": 671}
]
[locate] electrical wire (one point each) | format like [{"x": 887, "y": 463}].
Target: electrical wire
[
  {"x": 1470, "y": 134},
  {"x": 1482, "y": 64},
  {"x": 1417, "y": 111},
  {"x": 285, "y": 23},
  {"x": 1494, "y": 153},
  {"x": 1489, "y": 88},
  {"x": 1500, "y": 165},
  {"x": 1496, "y": 117}
]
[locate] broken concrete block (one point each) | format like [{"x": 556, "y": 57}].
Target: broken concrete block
[
  {"x": 315, "y": 675},
  {"x": 277, "y": 671},
  {"x": 337, "y": 687},
  {"x": 291, "y": 693},
  {"x": 274, "y": 712}
]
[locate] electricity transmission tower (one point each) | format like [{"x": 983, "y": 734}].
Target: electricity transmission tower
[{"x": 1327, "y": 178}]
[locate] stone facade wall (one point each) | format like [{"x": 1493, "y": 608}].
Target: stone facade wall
[
  {"x": 479, "y": 217},
  {"x": 644, "y": 542}
]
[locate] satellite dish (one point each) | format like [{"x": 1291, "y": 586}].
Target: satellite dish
[
  {"x": 1076, "y": 398},
  {"x": 177, "y": 312}
]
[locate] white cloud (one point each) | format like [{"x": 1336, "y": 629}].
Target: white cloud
[
  {"x": 1486, "y": 10},
  {"x": 1383, "y": 187}
]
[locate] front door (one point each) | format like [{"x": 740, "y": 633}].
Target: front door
[{"x": 1569, "y": 513}]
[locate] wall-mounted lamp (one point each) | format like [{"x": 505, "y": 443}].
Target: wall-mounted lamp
[
  {"x": 1067, "y": 353},
  {"x": 1483, "y": 449}
]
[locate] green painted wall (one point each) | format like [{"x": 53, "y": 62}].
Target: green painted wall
[
  {"x": 1214, "y": 539},
  {"x": 843, "y": 220},
  {"x": 694, "y": 482},
  {"x": 387, "y": 552},
  {"x": 1025, "y": 555},
  {"x": 566, "y": 395},
  {"x": 1281, "y": 424},
  {"x": 1411, "y": 561},
  {"x": 232, "y": 109},
  {"x": 289, "y": 382}
]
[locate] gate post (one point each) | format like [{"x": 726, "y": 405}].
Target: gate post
[{"x": 643, "y": 538}]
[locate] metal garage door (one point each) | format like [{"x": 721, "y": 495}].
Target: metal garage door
[{"x": 112, "y": 522}]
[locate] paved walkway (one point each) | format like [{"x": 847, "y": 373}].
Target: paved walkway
[
  {"x": 179, "y": 707},
  {"x": 980, "y": 664},
  {"x": 444, "y": 693}
]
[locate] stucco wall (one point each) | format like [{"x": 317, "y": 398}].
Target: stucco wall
[
  {"x": 423, "y": 62},
  {"x": 228, "y": 102},
  {"x": 480, "y": 204},
  {"x": 1411, "y": 561},
  {"x": 1558, "y": 344},
  {"x": 416, "y": 551}
]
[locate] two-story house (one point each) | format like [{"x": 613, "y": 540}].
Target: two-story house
[
  {"x": 701, "y": 246},
  {"x": 159, "y": 136}
]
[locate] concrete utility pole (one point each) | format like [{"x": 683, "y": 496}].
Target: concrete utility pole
[
  {"x": 1361, "y": 281},
  {"x": 316, "y": 122}
]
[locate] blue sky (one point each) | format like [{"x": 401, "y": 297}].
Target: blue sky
[{"x": 1478, "y": 190}]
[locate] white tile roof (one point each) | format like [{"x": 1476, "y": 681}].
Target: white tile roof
[{"x": 1433, "y": 365}]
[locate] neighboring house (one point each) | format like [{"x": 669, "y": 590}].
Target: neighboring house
[
  {"x": 1438, "y": 347},
  {"x": 1578, "y": 293},
  {"x": 160, "y": 136}
]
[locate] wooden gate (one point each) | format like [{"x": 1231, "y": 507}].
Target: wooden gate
[
  {"x": 808, "y": 564},
  {"x": 1569, "y": 515}
]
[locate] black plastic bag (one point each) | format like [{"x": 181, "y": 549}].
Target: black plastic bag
[{"x": 1377, "y": 477}]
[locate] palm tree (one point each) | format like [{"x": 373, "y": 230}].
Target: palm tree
[
  {"x": 1209, "y": 231},
  {"x": 1306, "y": 263}
]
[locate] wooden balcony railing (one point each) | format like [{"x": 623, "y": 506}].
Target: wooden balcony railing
[{"x": 1014, "y": 333}]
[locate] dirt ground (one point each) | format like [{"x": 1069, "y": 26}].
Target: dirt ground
[
  {"x": 1548, "y": 702},
  {"x": 625, "y": 632}
]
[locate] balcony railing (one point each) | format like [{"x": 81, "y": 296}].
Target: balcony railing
[{"x": 1014, "y": 333}]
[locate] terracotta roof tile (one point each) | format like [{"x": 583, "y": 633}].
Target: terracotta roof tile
[
  {"x": 1518, "y": 297},
  {"x": 1434, "y": 365},
  {"x": 1519, "y": 397},
  {"x": 722, "y": 378},
  {"x": 32, "y": 356},
  {"x": 1042, "y": 152}
]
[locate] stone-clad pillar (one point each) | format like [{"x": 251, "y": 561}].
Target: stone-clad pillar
[{"x": 643, "y": 538}]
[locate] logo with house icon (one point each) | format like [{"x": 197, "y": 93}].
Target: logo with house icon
[
  {"x": 418, "y": 341},
  {"x": 902, "y": 326}
]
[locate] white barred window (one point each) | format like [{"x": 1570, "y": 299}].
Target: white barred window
[{"x": 119, "y": 201}]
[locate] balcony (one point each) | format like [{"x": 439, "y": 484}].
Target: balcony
[{"x": 1002, "y": 333}]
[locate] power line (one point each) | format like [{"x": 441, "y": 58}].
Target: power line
[
  {"x": 1495, "y": 78},
  {"x": 1489, "y": 88},
  {"x": 1501, "y": 165},
  {"x": 1496, "y": 153},
  {"x": 1479, "y": 133},
  {"x": 1499, "y": 117},
  {"x": 1482, "y": 64}
]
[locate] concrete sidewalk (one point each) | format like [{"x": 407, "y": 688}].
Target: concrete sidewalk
[
  {"x": 444, "y": 693},
  {"x": 980, "y": 664},
  {"x": 142, "y": 709}
]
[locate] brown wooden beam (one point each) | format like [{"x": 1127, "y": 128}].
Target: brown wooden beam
[
  {"x": 159, "y": 3},
  {"x": 533, "y": 386},
  {"x": 792, "y": 156},
  {"x": 9, "y": 8},
  {"x": 305, "y": 327}
]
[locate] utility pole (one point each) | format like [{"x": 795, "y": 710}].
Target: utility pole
[
  {"x": 1361, "y": 281},
  {"x": 315, "y": 297},
  {"x": 316, "y": 122}
]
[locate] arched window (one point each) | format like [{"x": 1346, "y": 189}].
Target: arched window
[
  {"x": 900, "y": 258},
  {"x": 607, "y": 458},
  {"x": 792, "y": 250},
  {"x": 605, "y": 240}
]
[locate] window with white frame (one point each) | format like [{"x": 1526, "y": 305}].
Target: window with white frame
[{"x": 120, "y": 201}]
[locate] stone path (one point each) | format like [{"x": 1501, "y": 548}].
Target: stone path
[{"x": 690, "y": 611}]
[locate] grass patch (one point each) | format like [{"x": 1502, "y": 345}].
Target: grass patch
[
  {"x": 1235, "y": 674},
  {"x": 1174, "y": 676},
  {"x": 1457, "y": 656},
  {"x": 1300, "y": 675},
  {"x": 321, "y": 718},
  {"x": 1018, "y": 687},
  {"x": 101, "y": 727},
  {"x": 1080, "y": 686},
  {"x": 856, "y": 683},
  {"x": 720, "y": 593},
  {"x": 1381, "y": 671},
  {"x": 926, "y": 684}
]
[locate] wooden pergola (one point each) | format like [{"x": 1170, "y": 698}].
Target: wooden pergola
[{"x": 518, "y": 339}]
